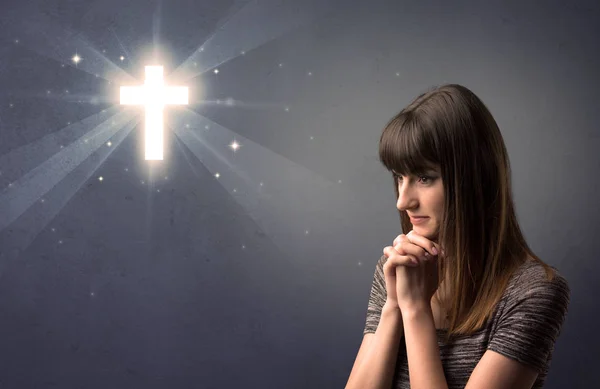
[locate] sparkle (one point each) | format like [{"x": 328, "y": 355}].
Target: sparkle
[
  {"x": 306, "y": 232},
  {"x": 397, "y": 74},
  {"x": 217, "y": 175},
  {"x": 126, "y": 169},
  {"x": 235, "y": 145},
  {"x": 100, "y": 178},
  {"x": 312, "y": 137},
  {"x": 280, "y": 65},
  {"x": 109, "y": 143},
  {"x": 216, "y": 71},
  {"x": 62, "y": 65},
  {"x": 202, "y": 49},
  {"x": 11, "y": 105},
  {"x": 287, "y": 109},
  {"x": 76, "y": 58},
  {"x": 261, "y": 184},
  {"x": 339, "y": 181},
  {"x": 243, "y": 53},
  {"x": 60, "y": 242},
  {"x": 16, "y": 41},
  {"x": 310, "y": 73},
  {"x": 53, "y": 229},
  {"x": 187, "y": 125},
  {"x": 234, "y": 190},
  {"x": 43, "y": 201},
  {"x": 122, "y": 58},
  {"x": 206, "y": 127},
  {"x": 47, "y": 92}
]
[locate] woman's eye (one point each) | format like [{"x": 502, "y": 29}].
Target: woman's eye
[{"x": 427, "y": 179}]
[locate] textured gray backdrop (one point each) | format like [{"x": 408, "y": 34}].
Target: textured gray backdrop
[{"x": 163, "y": 275}]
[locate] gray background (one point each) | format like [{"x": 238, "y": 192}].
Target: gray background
[{"x": 171, "y": 283}]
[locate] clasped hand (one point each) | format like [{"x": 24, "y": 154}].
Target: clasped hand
[{"x": 411, "y": 271}]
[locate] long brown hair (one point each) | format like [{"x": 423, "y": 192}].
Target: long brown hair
[{"x": 450, "y": 127}]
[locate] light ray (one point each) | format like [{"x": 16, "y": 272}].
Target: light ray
[
  {"x": 45, "y": 37},
  {"x": 16, "y": 198},
  {"x": 230, "y": 102},
  {"x": 69, "y": 97},
  {"x": 30, "y": 223},
  {"x": 20, "y": 160},
  {"x": 279, "y": 195},
  {"x": 129, "y": 57},
  {"x": 240, "y": 34},
  {"x": 187, "y": 158}
]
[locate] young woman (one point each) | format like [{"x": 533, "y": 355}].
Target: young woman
[{"x": 460, "y": 301}]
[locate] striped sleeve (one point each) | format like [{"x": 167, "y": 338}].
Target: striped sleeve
[
  {"x": 531, "y": 321},
  {"x": 376, "y": 298}
]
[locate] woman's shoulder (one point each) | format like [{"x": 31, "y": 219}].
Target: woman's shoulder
[
  {"x": 532, "y": 281},
  {"x": 534, "y": 271}
]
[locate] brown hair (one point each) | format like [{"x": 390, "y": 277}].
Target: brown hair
[{"x": 451, "y": 128}]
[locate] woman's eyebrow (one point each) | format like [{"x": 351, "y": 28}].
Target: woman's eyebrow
[
  {"x": 425, "y": 171},
  {"x": 432, "y": 169}
]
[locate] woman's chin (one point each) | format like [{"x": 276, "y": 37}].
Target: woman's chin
[{"x": 428, "y": 232}]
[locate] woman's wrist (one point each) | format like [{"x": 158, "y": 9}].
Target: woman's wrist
[{"x": 391, "y": 306}]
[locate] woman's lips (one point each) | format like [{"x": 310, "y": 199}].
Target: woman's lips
[{"x": 417, "y": 220}]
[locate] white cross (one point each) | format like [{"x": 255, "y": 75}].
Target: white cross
[{"x": 154, "y": 95}]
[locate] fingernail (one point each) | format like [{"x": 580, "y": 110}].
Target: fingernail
[
  {"x": 415, "y": 262},
  {"x": 434, "y": 251}
]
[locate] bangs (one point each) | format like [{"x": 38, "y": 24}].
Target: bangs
[{"x": 404, "y": 148}]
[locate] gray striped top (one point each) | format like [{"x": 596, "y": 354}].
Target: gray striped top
[{"x": 525, "y": 324}]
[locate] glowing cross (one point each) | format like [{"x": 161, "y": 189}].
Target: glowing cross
[{"x": 154, "y": 95}]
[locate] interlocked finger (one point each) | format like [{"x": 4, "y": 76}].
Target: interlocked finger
[
  {"x": 405, "y": 247},
  {"x": 394, "y": 258}
]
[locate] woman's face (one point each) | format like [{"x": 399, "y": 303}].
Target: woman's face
[{"x": 422, "y": 196}]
